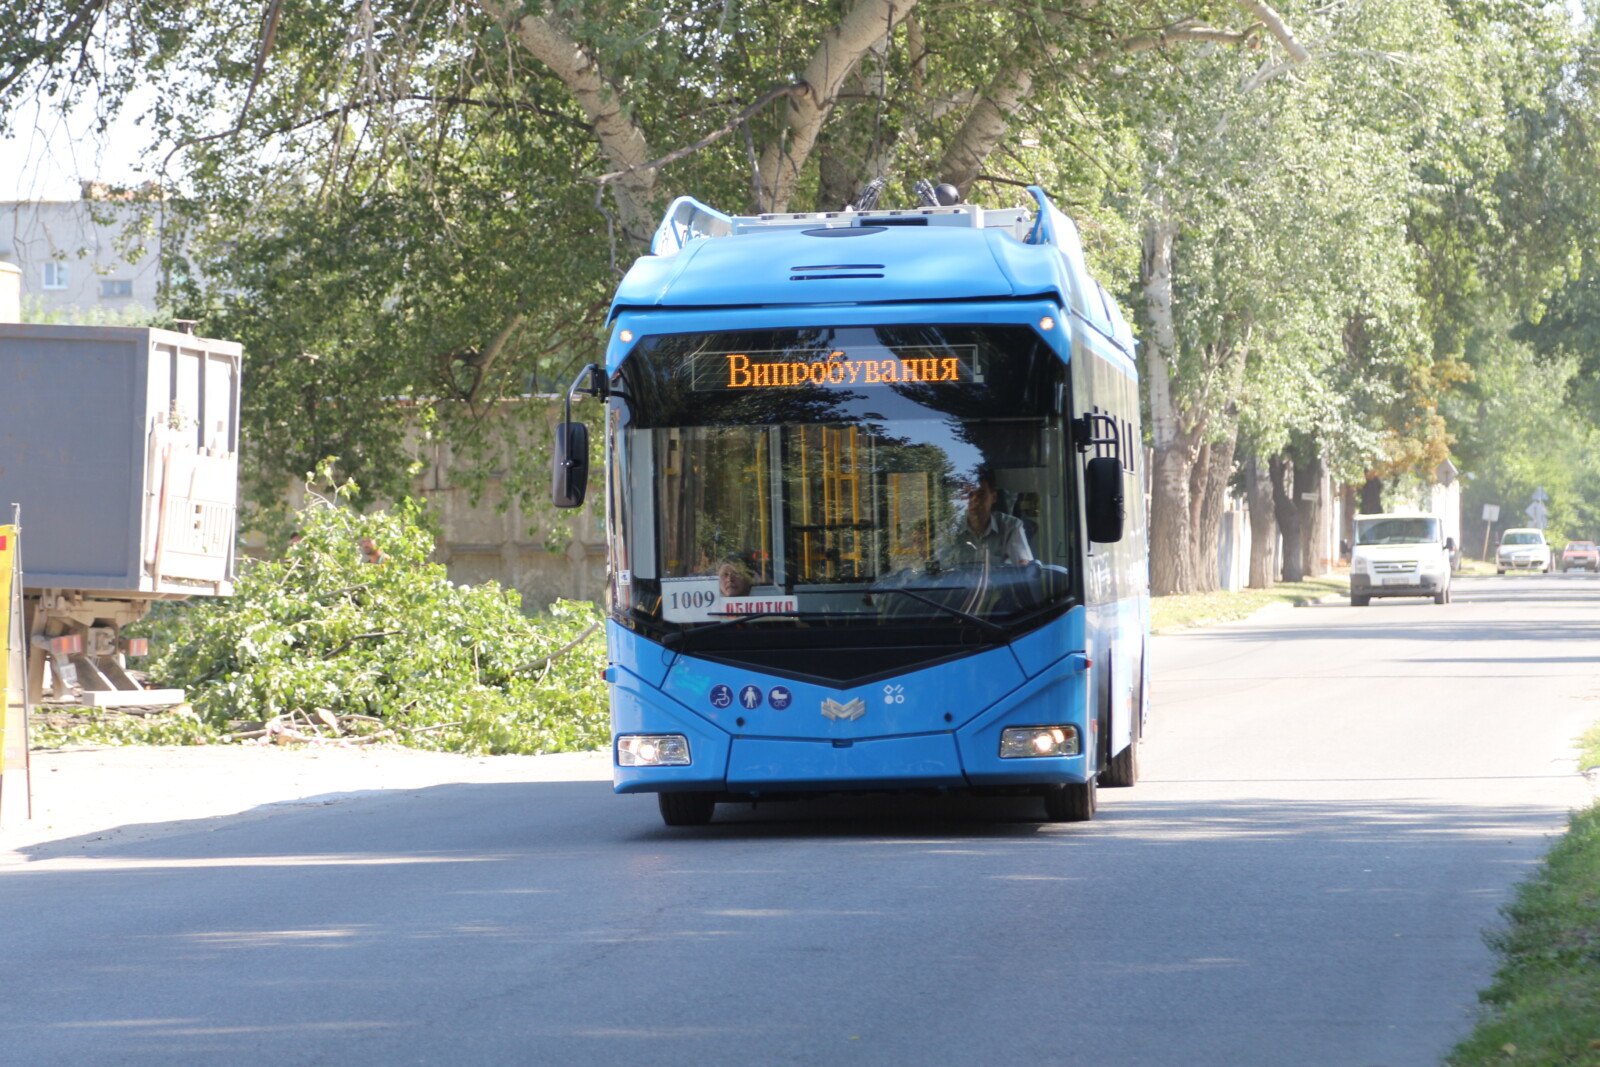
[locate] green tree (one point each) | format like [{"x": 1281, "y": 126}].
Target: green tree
[
  {"x": 428, "y": 204},
  {"x": 419, "y": 211},
  {"x": 353, "y": 628}
]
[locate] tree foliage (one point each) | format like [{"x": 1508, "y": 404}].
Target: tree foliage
[
  {"x": 335, "y": 631},
  {"x": 429, "y": 201},
  {"x": 416, "y": 209}
]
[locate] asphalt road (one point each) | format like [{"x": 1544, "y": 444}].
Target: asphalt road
[{"x": 1335, "y": 802}]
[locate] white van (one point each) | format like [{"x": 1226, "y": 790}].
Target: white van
[{"x": 1400, "y": 555}]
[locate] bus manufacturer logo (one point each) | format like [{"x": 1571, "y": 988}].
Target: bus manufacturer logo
[{"x": 844, "y": 712}]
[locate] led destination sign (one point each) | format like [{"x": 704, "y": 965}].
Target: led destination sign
[{"x": 717, "y": 371}]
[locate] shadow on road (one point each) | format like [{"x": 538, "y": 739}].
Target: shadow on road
[
  {"x": 558, "y": 923},
  {"x": 534, "y": 816}
]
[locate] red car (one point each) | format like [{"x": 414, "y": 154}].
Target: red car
[{"x": 1580, "y": 555}]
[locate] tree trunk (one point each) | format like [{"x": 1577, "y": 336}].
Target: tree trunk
[
  {"x": 1171, "y": 531},
  {"x": 1372, "y": 496},
  {"x": 1308, "y": 484},
  {"x": 1263, "y": 525},
  {"x": 985, "y": 124},
  {"x": 1288, "y": 516},
  {"x": 1174, "y": 446},
  {"x": 1215, "y": 469},
  {"x": 1347, "y": 523}
]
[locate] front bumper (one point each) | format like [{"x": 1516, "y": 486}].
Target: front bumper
[{"x": 1397, "y": 585}]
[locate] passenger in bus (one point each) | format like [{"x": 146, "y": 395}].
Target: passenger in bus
[
  {"x": 986, "y": 534},
  {"x": 734, "y": 578}
]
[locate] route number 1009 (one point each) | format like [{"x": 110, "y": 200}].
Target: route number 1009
[{"x": 694, "y": 599}]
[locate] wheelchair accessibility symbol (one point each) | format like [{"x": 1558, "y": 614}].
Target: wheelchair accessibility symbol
[{"x": 721, "y": 696}]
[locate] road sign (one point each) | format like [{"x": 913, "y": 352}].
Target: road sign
[
  {"x": 1491, "y": 513},
  {"x": 1537, "y": 514}
]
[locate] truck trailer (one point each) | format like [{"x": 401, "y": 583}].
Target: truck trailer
[{"x": 119, "y": 448}]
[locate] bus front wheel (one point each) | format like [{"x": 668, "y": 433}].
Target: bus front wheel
[
  {"x": 1070, "y": 803},
  {"x": 686, "y": 809},
  {"x": 1122, "y": 770}
]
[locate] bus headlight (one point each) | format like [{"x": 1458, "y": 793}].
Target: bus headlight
[
  {"x": 652, "y": 750},
  {"x": 1024, "y": 742}
]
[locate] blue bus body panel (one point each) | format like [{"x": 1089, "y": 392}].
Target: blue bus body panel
[
  {"x": 645, "y": 659},
  {"x": 1057, "y": 696},
  {"x": 640, "y": 709},
  {"x": 777, "y": 707},
  {"x": 896, "y": 264},
  {"x": 801, "y": 736},
  {"x": 927, "y": 761},
  {"x": 1046, "y": 645},
  {"x": 1123, "y": 659}
]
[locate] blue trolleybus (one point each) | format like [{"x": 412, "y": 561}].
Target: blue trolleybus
[{"x": 875, "y": 510}]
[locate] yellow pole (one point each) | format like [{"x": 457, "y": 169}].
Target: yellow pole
[{"x": 13, "y": 671}]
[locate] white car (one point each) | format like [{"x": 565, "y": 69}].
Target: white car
[
  {"x": 1400, "y": 555},
  {"x": 1522, "y": 549}
]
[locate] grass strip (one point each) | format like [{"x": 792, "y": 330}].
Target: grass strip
[
  {"x": 1544, "y": 1004},
  {"x": 1184, "y": 611}
]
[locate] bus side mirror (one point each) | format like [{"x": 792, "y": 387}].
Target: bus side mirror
[
  {"x": 1103, "y": 499},
  {"x": 569, "y": 465}
]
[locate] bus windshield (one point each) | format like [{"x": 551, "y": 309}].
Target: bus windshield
[{"x": 859, "y": 479}]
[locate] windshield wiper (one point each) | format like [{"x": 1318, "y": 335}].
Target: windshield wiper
[
  {"x": 992, "y": 627},
  {"x": 681, "y": 637}
]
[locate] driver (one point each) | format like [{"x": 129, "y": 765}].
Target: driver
[
  {"x": 985, "y": 534},
  {"x": 734, "y": 578}
]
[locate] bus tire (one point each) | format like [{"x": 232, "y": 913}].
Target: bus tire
[
  {"x": 686, "y": 809},
  {"x": 1122, "y": 770},
  {"x": 1359, "y": 600},
  {"x": 1070, "y": 803}
]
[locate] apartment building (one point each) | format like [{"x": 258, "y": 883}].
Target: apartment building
[{"x": 97, "y": 254}]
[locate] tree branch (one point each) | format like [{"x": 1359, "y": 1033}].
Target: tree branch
[
  {"x": 269, "y": 34},
  {"x": 621, "y": 137},
  {"x": 359, "y": 637},
  {"x": 434, "y": 98},
  {"x": 837, "y": 56},
  {"x": 705, "y": 142},
  {"x": 1277, "y": 27},
  {"x": 563, "y": 650},
  {"x": 1013, "y": 83},
  {"x": 23, "y": 60}
]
